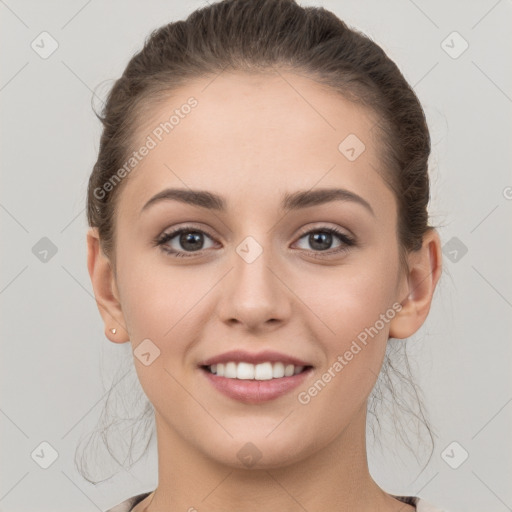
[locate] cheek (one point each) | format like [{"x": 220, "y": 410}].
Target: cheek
[
  {"x": 357, "y": 309},
  {"x": 157, "y": 308},
  {"x": 162, "y": 304},
  {"x": 354, "y": 305},
  {"x": 351, "y": 298},
  {"x": 152, "y": 297}
]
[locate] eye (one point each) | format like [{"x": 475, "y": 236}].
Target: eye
[
  {"x": 190, "y": 239},
  {"x": 322, "y": 238}
]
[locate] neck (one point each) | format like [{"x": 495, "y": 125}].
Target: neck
[{"x": 335, "y": 477}]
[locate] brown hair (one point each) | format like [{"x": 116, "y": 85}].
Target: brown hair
[{"x": 258, "y": 36}]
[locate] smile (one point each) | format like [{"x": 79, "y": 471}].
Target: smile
[
  {"x": 254, "y": 384},
  {"x": 248, "y": 371}
]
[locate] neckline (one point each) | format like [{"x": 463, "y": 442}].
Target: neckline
[{"x": 135, "y": 500}]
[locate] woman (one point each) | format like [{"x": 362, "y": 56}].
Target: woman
[{"x": 291, "y": 152}]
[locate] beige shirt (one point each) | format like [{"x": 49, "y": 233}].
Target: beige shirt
[{"x": 420, "y": 504}]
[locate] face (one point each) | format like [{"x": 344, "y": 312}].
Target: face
[{"x": 259, "y": 274}]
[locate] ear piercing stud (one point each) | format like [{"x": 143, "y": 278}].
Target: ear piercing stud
[{"x": 113, "y": 330}]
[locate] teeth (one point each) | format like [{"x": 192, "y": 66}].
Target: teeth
[{"x": 248, "y": 371}]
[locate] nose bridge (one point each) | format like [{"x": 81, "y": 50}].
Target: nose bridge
[
  {"x": 253, "y": 261},
  {"x": 254, "y": 294}
]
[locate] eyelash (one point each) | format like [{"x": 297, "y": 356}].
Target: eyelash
[{"x": 165, "y": 237}]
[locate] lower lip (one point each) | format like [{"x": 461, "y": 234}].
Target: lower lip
[{"x": 255, "y": 391}]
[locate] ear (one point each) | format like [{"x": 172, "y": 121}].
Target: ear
[
  {"x": 417, "y": 286},
  {"x": 105, "y": 289}
]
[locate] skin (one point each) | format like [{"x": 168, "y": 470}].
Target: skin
[{"x": 250, "y": 139}]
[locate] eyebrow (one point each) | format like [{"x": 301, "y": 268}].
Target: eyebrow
[{"x": 290, "y": 201}]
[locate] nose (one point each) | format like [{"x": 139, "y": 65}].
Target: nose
[{"x": 254, "y": 294}]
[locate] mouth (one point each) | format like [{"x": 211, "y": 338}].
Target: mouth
[
  {"x": 248, "y": 371},
  {"x": 254, "y": 384}
]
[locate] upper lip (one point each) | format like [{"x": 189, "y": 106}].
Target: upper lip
[{"x": 254, "y": 358}]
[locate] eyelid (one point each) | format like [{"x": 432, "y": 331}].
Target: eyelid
[
  {"x": 187, "y": 225},
  {"x": 348, "y": 240},
  {"x": 319, "y": 226},
  {"x": 303, "y": 231},
  {"x": 174, "y": 231}
]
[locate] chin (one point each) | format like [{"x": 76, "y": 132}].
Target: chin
[{"x": 257, "y": 451}]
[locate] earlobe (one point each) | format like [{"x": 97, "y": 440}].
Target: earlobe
[
  {"x": 425, "y": 267},
  {"x": 105, "y": 289}
]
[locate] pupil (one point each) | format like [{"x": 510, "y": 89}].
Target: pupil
[
  {"x": 324, "y": 237},
  {"x": 190, "y": 238}
]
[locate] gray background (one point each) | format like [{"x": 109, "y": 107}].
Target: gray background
[{"x": 56, "y": 362}]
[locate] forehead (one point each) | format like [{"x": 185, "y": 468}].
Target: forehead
[{"x": 254, "y": 136}]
